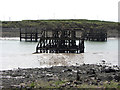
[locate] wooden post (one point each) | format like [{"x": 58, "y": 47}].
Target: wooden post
[
  {"x": 36, "y": 35},
  {"x": 20, "y": 35},
  {"x": 25, "y": 36},
  {"x": 31, "y": 36},
  {"x": 60, "y": 42}
]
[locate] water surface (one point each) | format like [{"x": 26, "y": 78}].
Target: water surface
[{"x": 14, "y": 54}]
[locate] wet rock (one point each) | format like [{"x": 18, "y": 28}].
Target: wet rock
[
  {"x": 63, "y": 85},
  {"x": 109, "y": 78},
  {"x": 71, "y": 81},
  {"x": 28, "y": 88},
  {"x": 101, "y": 77},
  {"x": 27, "y": 76},
  {"x": 95, "y": 83},
  {"x": 69, "y": 70},
  {"x": 117, "y": 78},
  {"x": 90, "y": 83},
  {"x": 49, "y": 75},
  {"x": 98, "y": 80},
  {"x": 92, "y": 78},
  {"x": 69, "y": 74},
  {"x": 86, "y": 80},
  {"x": 103, "y": 61},
  {"x": 119, "y": 85},
  {"x": 77, "y": 82},
  {"x": 76, "y": 75},
  {"x": 50, "y": 79},
  {"x": 91, "y": 71},
  {"x": 93, "y": 75},
  {"x": 109, "y": 70},
  {"x": 83, "y": 64},
  {"x": 1, "y": 87},
  {"x": 71, "y": 86},
  {"x": 68, "y": 83},
  {"x": 83, "y": 72},
  {"x": 101, "y": 83}
]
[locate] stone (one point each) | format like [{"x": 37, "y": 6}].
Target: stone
[
  {"x": 71, "y": 85},
  {"x": 70, "y": 70},
  {"x": 71, "y": 81},
  {"x": 63, "y": 85},
  {"x": 76, "y": 82},
  {"x": 93, "y": 75},
  {"x": 109, "y": 70},
  {"x": 109, "y": 78},
  {"x": 68, "y": 83},
  {"x": 98, "y": 80},
  {"x": 77, "y": 77},
  {"x": 117, "y": 78}
]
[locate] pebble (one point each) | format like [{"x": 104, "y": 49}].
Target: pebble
[{"x": 76, "y": 75}]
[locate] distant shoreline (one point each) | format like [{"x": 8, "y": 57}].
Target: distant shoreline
[
  {"x": 12, "y": 28},
  {"x": 18, "y": 38}
]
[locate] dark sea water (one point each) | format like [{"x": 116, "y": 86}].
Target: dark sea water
[{"x": 14, "y": 54}]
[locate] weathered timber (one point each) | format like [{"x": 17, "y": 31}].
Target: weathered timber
[
  {"x": 29, "y": 34},
  {"x": 95, "y": 35},
  {"x": 61, "y": 41},
  {"x": 33, "y": 34}
]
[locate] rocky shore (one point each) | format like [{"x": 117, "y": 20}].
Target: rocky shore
[{"x": 82, "y": 76}]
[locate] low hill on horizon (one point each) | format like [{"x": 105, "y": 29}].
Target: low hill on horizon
[{"x": 84, "y": 24}]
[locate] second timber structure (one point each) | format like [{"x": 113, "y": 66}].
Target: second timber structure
[{"x": 61, "y": 41}]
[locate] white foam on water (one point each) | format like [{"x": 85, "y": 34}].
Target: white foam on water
[{"x": 9, "y": 38}]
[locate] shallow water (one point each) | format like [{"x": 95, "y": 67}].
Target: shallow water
[{"x": 14, "y": 54}]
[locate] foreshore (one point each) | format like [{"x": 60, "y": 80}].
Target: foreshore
[{"x": 81, "y": 76}]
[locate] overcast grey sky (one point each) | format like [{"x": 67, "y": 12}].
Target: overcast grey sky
[{"x": 14, "y": 10}]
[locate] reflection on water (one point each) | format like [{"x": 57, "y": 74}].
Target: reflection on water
[{"x": 14, "y": 54}]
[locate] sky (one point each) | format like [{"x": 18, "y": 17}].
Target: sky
[{"x": 16, "y": 10}]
